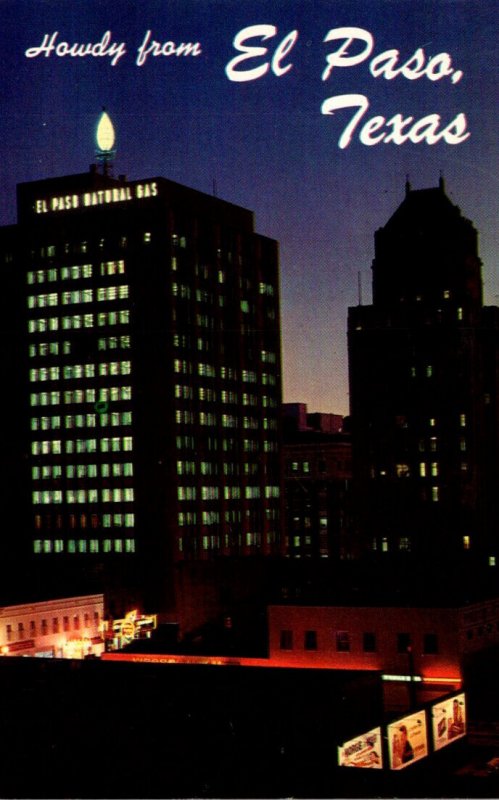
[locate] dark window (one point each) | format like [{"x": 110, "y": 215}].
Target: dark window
[
  {"x": 286, "y": 640},
  {"x": 342, "y": 641},
  {"x": 430, "y": 643},
  {"x": 403, "y": 642},
  {"x": 369, "y": 642},
  {"x": 310, "y": 640}
]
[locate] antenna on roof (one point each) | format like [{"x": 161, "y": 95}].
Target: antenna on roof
[
  {"x": 441, "y": 182},
  {"x": 407, "y": 185}
]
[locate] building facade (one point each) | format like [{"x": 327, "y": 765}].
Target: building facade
[
  {"x": 424, "y": 390},
  {"x": 317, "y": 486},
  {"x": 425, "y": 645},
  {"x": 145, "y": 320},
  {"x": 71, "y": 627}
]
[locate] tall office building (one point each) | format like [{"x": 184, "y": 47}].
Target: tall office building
[
  {"x": 145, "y": 319},
  {"x": 424, "y": 381}
]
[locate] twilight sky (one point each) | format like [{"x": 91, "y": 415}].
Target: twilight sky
[{"x": 264, "y": 143}]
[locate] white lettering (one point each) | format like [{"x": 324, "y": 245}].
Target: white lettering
[
  {"x": 262, "y": 31},
  {"x": 250, "y": 51},
  {"x": 340, "y": 58},
  {"x": 403, "y": 129},
  {"x": 152, "y": 48},
  {"x": 113, "y": 51}
]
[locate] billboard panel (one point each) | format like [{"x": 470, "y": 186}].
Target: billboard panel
[
  {"x": 448, "y": 720},
  {"x": 407, "y": 740},
  {"x": 363, "y": 751}
]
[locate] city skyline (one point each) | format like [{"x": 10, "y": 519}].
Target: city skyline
[{"x": 263, "y": 143}]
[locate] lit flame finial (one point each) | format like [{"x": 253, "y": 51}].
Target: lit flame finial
[{"x": 105, "y": 137}]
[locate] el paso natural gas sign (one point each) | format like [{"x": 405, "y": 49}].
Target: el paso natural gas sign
[{"x": 99, "y": 197}]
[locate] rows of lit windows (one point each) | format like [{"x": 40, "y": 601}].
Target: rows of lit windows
[
  {"x": 65, "y": 273},
  {"x": 181, "y": 290},
  {"x": 65, "y": 298},
  {"x": 45, "y": 423},
  {"x": 44, "y": 374},
  {"x": 248, "y": 376},
  {"x": 268, "y": 379},
  {"x": 113, "y": 292},
  {"x": 118, "y": 520},
  {"x": 120, "y": 317},
  {"x": 228, "y": 397},
  {"x": 268, "y": 357},
  {"x": 207, "y": 418},
  {"x": 182, "y": 366},
  {"x": 210, "y": 517},
  {"x": 229, "y": 421},
  {"x": 112, "y": 268},
  {"x": 114, "y": 342},
  {"x": 266, "y": 288},
  {"x": 210, "y": 492},
  {"x": 232, "y": 492},
  {"x": 185, "y": 417},
  {"x": 114, "y": 419},
  {"x": 76, "y": 371},
  {"x": 206, "y": 370},
  {"x": 44, "y": 324},
  {"x": 187, "y": 517},
  {"x": 186, "y": 492},
  {"x": 54, "y": 471},
  {"x": 186, "y": 467},
  {"x": 183, "y": 392},
  {"x": 207, "y": 394},
  {"x": 108, "y": 444},
  {"x": 424, "y": 471},
  {"x": 115, "y": 495},
  {"x": 84, "y": 546},
  {"x": 105, "y": 393},
  {"x": 49, "y": 348},
  {"x": 77, "y": 321}
]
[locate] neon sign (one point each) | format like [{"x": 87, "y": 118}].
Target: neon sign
[{"x": 99, "y": 197}]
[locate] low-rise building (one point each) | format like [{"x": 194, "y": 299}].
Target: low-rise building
[
  {"x": 420, "y": 651},
  {"x": 63, "y": 628}
]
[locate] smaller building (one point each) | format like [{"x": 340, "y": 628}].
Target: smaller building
[
  {"x": 317, "y": 482},
  {"x": 421, "y": 651},
  {"x": 65, "y": 628}
]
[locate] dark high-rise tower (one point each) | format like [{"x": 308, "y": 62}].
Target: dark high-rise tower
[
  {"x": 145, "y": 320},
  {"x": 424, "y": 383}
]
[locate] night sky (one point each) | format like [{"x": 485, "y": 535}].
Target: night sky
[{"x": 264, "y": 143}]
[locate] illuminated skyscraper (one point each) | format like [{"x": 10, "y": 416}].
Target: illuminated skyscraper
[
  {"x": 149, "y": 377},
  {"x": 424, "y": 381}
]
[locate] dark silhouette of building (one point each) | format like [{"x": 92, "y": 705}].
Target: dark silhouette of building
[
  {"x": 424, "y": 389},
  {"x": 143, "y": 340}
]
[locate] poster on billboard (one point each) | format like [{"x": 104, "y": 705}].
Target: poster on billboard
[
  {"x": 363, "y": 751},
  {"x": 407, "y": 740},
  {"x": 448, "y": 720}
]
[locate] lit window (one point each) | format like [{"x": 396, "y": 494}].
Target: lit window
[{"x": 466, "y": 542}]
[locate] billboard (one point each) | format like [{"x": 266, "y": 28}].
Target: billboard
[
  {"x": 407, "y": 740},
  {"x": 363, "y": 751},
  {"x": 448, "y": 718}
]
